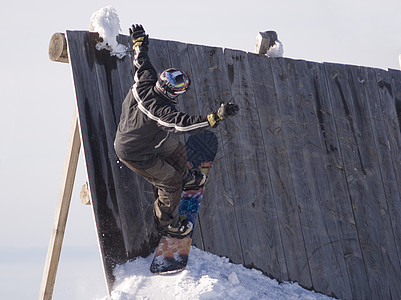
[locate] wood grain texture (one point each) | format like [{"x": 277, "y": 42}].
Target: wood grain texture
[
  {"x": 307, "y": 154},
  {"x": 338, "y": 204},
  {"x": 115, "y": 191},
  {"x": 61, "y": 214},
  {"x": 210, "y": 87},
  {"x": 256, "y": 209},
  {"x": 305, "y": 185},
  {"x": 58, "y": 48}
]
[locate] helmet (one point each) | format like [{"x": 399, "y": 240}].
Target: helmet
[{"x": 172, "y": 82}]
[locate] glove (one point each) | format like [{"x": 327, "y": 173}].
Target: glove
[
  {"x": 138, "y": 36},
  {"x": 225, "y": 110}
]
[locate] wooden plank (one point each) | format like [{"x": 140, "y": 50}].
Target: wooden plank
[
  {"x": 278, "y": 211},
  {"x": 297, "y": 262},
  {"x": 187, "y": 103},
  {"x": 96, "y": 150},
  {"x": 180, "y": 59},
  {"x": 391, "y": 104},
  {"x": 61, "y": 214},
  {"x": 339, "y": 205},
  {"x": 358, "y": 164},
  {"x": 242, "y": 156},
  {"x": 385, "y": 89},
  {"x": 396, "y": 85},
  {"x": 312, "y": 185},
  {"x": 109, "y": 104},
  {"x": 139, "y": 230},
  {"x": 131, "y": 196},
  {"x": 135, "y": 196},
  {"x": 371, "y": 158},
  {"x": 159, "y": 54},
  {"x": 217, "y": 212},
  {"x": 130, "y": 206},
  {"x": 256, "y": 217},
  {"x": 132, "y": 190},
  {"x": 160, "y": 58}
]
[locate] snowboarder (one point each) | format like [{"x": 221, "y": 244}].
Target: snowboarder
[{"x": 143, "y": 142}]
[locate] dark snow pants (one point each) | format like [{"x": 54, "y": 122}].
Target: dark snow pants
[{"x": 166, "y": 174}]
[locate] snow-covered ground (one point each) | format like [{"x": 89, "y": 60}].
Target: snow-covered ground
[{"x": 207, "y": 276}]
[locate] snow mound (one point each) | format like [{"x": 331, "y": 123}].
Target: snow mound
[
  {"x": 107, "y": 23},
  {"x": 276, "y": 50},
  {"x": 207, "y": 276}
]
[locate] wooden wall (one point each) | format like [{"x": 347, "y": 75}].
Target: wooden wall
[{"x": 307, "y": 180}]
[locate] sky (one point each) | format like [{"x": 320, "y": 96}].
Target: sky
[{"x": 37, "y": 103}]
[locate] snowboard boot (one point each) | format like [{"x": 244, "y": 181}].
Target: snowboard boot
[
  {"x": 181, "y": 229},
  {"x": 194, "y": 180}
]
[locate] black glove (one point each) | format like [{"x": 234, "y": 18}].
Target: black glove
[
  {"x": 138, "y": 36},
  {"x": 225, "y": 110}
]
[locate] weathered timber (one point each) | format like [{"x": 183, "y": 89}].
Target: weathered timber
[
  {"x": 96, "y": 150},
  {"x": 177, "y": 56},
  {"x": 265, "y": 40},
  {"x": 61, "y": 213},
  {"x": 375, "y": 167},
  {"x": 58, "y": 48},
  {"x": 208, "y": 67},
  {"x": 306, "y": 183},
  {"x": 338, "y": 204},
  {"x": 258, "y": 231},
  {"x": 85, "y": 195},
  {"x": 362, "y": 176},
  {"x": 280, "y": 227},
  {"x": 136, "y": 191},
  {"x": 303, "y": 140},
  {"x": 285, "y": 102}
]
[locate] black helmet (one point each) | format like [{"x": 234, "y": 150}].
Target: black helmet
[{"x": 172, "y": 82}]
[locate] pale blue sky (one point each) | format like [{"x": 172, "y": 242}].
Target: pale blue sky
[{"x": 37, "y": 103}]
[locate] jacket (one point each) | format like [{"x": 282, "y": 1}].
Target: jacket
[{"x": 147, "y": 117}]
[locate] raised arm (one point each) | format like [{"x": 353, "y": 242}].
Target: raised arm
[{"x": 145, "y": 72}]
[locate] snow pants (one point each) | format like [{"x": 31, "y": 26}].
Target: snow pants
[{"x": 166, "y": 174}]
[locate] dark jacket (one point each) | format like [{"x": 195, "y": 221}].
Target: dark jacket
[{"x": 147, "y": 117}]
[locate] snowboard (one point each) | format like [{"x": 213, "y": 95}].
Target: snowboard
[{"x": 171, "y": 255}]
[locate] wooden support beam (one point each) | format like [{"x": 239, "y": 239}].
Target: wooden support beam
[
  {"x": 58, "y": 48},
  {"x": 265, "y": 40},
  {"x": 61, "y": 214},
  {"x": 85, "y": 195}
]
